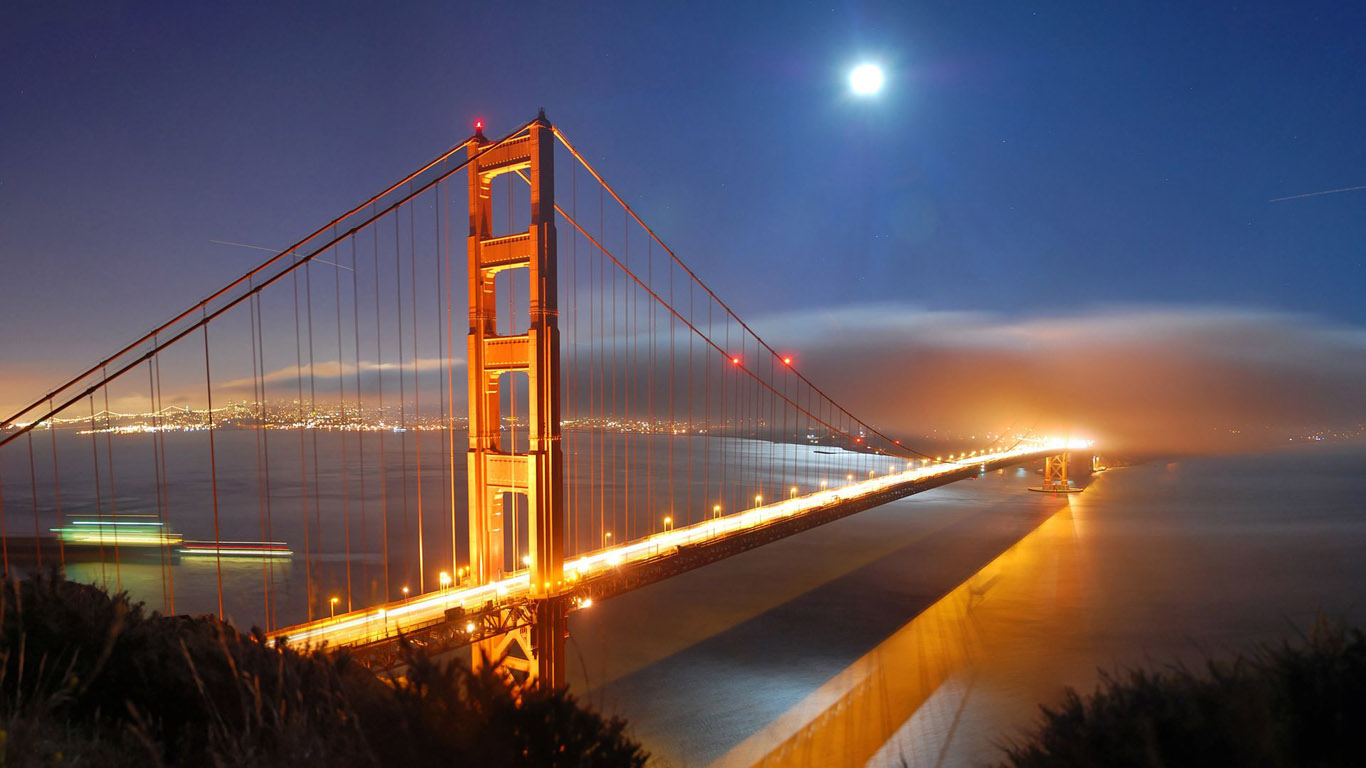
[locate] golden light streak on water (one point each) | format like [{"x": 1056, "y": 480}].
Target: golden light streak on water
[{"x": 884, "y": 708}]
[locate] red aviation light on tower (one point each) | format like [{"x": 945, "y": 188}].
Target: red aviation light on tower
[
  {"x": 478, "y": 125},
  {"x": 735, "y": 361},
  {"x": 787, "y": 361}
]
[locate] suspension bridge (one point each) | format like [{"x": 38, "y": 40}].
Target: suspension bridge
[{"x": 291, "y": 452}]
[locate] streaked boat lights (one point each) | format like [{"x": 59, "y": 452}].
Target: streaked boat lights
[
  {"x": 237, "y": 548},
  {"x": 121, "y": 532},
  {"x": 147, "y": 531}
]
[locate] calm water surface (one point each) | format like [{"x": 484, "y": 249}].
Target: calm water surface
[{"x": 928, "y": 631}]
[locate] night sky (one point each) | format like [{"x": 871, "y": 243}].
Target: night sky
[{"x": 1026, "y": 164}]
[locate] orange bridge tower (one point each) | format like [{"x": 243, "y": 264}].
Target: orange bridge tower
[{"x": 497, "y": 472}]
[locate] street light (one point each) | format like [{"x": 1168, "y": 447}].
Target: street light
[
  {"x": 716, "y": 510},
  {"x": 333, "y": 601},
  {"x": 668, "y": 523},
  {"x": 405, "y": 593},
  {"x": 445, "y": 579},
  {"x": 758, "y": 499},
  {"x": 794, "y": 491},
  {"x": 606, "y": 539}
]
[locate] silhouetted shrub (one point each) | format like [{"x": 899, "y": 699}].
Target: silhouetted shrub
[
  {"x": 87, "y": 678},
  {"x": 1293, "y": 704}
]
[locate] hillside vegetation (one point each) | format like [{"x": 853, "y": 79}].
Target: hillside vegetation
[
  {"x": 1300, "y": 704},
  {"x": 93, "y": 679}
]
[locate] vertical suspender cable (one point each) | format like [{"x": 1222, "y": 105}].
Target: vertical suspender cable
[
  {"x": 160, "y": 438},
  {"x": 156, "y": 478},
  {"x": 632, "y": 338},
  {"x": 341, "y": 403},
  {"x": 258, "y": 394},
  {"x": 301, "y": 424},
  {"x": 450, "y": 394},
  {"x": 113, "y": 499},
  {"x": 602, "y": 380},
  {"x": 673, "y": 414},
  {"x": 312, "y": 424},
  {"x": 616, "y": 434},
  {"x": 402, "y": 395},
  {"x": 417, "y": 397},
  {"x": 360, "y": 412},
  {"x": 33, "y": 494},
  {"x": 650, "y": 393},
  {"x": 573, "y": 302},
  {"x": 57, "y": 489},
  {"x": 260, "y": 364},
  {"x": 448, "y": 498},
  {"x": 99, "y": 498},
  {"x": 379, "y": 395},
  {"x": 213, "y": 473}
]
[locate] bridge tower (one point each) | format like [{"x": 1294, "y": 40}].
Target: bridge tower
[
  {"x": 496, "y": 470},
  {"x": 1055, "y": 475}
]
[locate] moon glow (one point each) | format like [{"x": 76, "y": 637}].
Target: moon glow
[{"x": 866, "y": 79}]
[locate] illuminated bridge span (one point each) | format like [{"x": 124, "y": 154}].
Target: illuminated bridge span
[{"x": 291, "y": 451}]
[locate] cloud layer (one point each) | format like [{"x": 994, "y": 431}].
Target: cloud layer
[{"x": 1137, "y": 378}]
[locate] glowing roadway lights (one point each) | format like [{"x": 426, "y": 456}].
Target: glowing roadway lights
[{"x": 381, "y": 622}]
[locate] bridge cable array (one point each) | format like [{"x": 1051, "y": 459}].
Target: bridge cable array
[{"x": 282, "y": 470}]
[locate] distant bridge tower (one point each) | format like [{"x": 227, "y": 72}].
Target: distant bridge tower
[
  {"x": 497, "y": 471},
  {"x": 1055, "y": 475}
]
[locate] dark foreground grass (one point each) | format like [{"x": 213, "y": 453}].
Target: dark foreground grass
[
  {"x": 90, "y": 679},
  {"x": 1300, "y": 703}
]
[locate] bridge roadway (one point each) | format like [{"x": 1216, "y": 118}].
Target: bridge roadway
[{"x": 457, "y": 616}]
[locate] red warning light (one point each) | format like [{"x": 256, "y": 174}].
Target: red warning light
[
  {"x": 735, "y": 360},
  {"x": 787, "y": 361},
  {"x": 478, "y": 125}
]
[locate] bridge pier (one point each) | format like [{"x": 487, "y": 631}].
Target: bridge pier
[{"x": 1055, "y": 475}]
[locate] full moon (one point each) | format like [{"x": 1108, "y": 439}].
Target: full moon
[{"x": 866, "y": 79}]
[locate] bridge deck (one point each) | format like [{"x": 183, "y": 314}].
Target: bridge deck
[{"x": 458, "y": 616}]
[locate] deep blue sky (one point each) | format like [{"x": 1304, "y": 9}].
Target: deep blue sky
[{"x": 1027, "y": 159}]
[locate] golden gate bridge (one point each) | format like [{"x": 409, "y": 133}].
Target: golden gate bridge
[{"x": 302, "y": 423}]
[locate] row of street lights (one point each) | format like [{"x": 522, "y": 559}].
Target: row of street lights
[{"x": 447, "y": 582}]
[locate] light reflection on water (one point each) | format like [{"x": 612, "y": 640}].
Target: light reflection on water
[
  {"x": 1153, "y": 564},
  {"x": 883, "y": 708}
]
